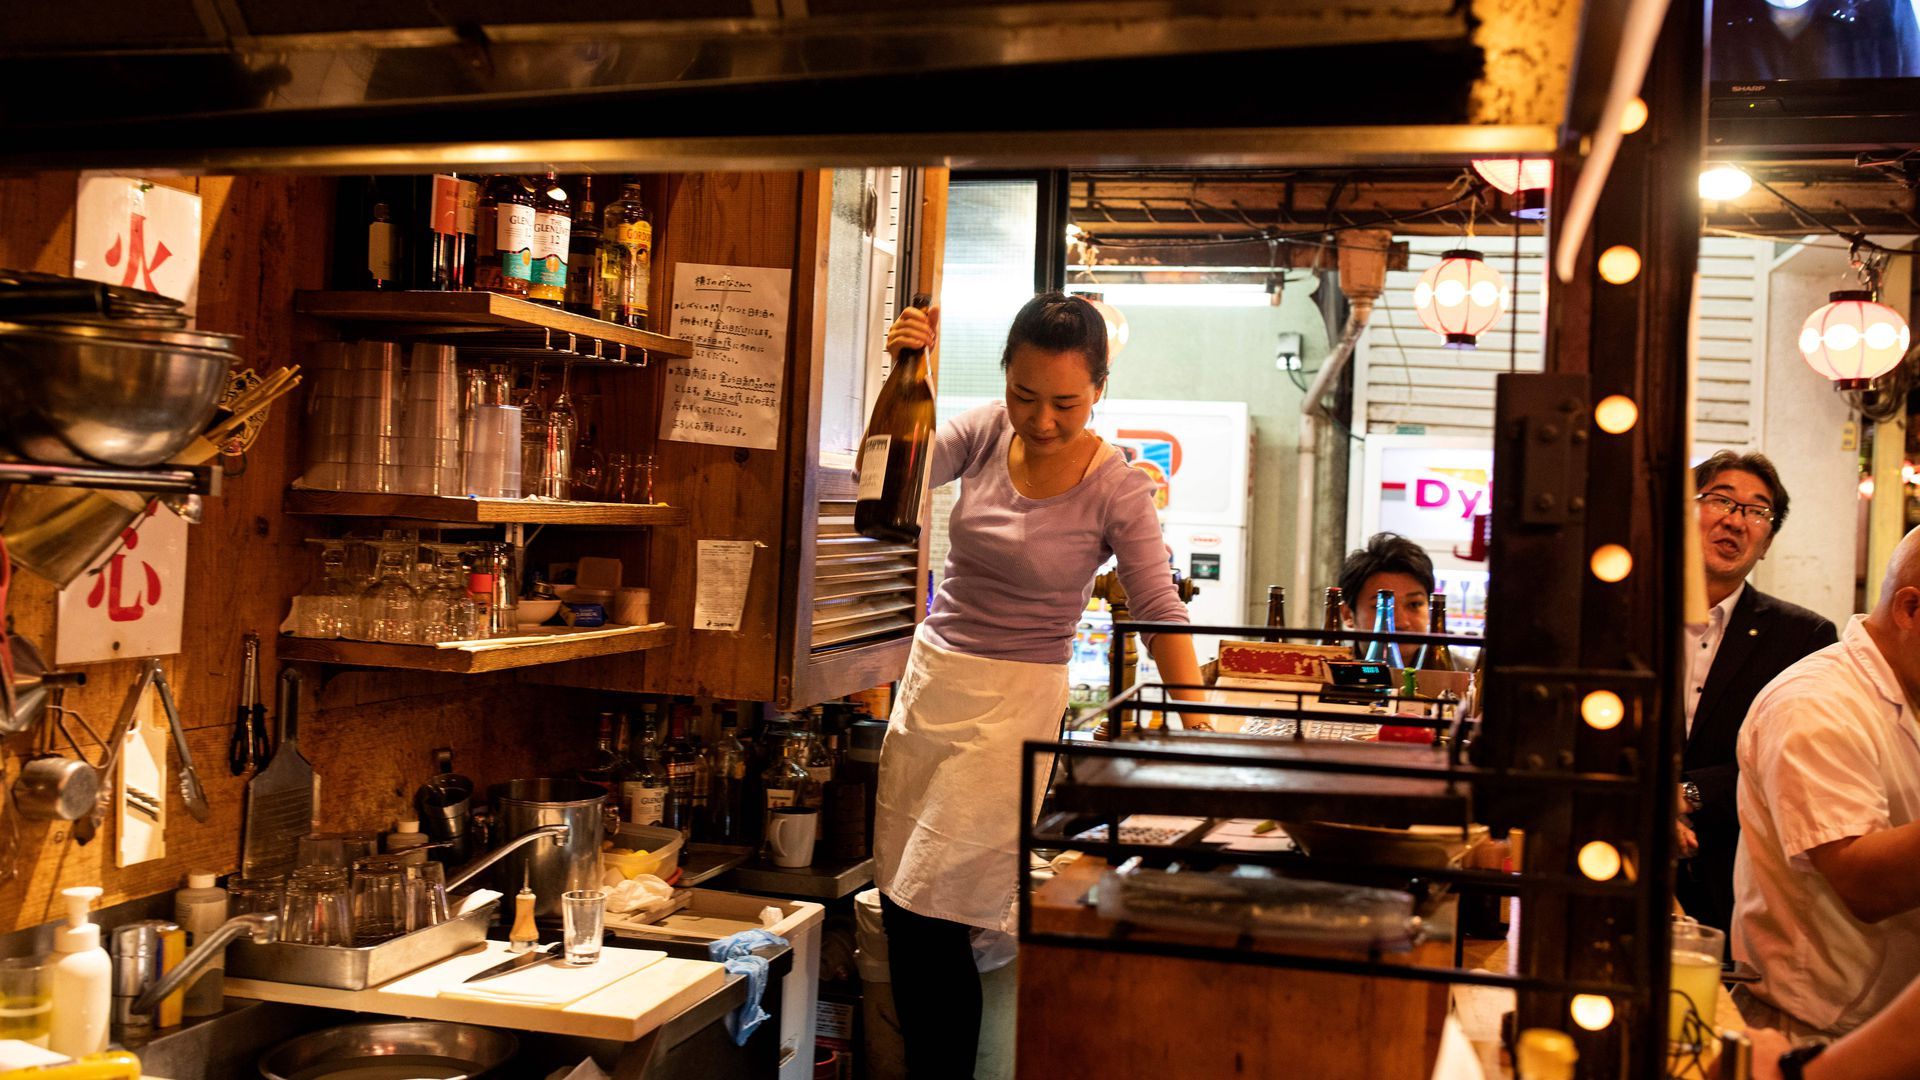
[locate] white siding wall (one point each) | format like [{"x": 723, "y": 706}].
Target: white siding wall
[{"x": 1405, "y": 379}]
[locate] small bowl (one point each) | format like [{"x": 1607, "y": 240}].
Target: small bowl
[{"x": 535, "y": 612}]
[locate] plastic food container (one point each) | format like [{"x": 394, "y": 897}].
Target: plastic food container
[{"x": 662, "y": 846}]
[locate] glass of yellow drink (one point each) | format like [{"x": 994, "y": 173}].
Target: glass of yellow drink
[
  {"x": 1696, "y": 955},
  {"x": 26, "y": 999}
]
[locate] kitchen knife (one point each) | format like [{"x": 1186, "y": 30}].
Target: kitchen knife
[{"x": 524, "y": 960}]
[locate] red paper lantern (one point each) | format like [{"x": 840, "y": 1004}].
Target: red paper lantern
[
  {"x": 1853, "y": 340},
  {"x": 1460, "y": 297},
  {"x": 1526, "y": 179}
]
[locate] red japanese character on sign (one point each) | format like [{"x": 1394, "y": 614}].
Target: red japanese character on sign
[
  {"x": 140, "y": 265},
  {"x": 108, "y": 586}
]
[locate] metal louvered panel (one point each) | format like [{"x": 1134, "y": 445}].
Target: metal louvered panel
[{"x": 863, "y": 589}]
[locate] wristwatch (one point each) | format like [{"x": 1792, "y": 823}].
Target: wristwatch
[
  {"x": 1794, "y": 1060},
  {"x": 1690, "y": 791}
]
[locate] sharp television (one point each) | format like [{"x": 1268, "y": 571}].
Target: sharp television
[{"x": 1797, "y": 78}]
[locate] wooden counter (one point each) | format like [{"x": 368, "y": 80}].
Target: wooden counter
[{"x": 1092, "y": 1012}]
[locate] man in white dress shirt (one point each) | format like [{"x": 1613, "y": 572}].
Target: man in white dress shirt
[{"x": 1828, "y": 872}]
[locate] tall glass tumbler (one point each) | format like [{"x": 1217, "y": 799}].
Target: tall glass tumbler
[
  {"x": 583, "y": 914},
  {"x": 26, "y": 999}
]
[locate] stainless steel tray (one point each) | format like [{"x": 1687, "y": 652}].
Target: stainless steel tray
[{"x": 345, "y": 968}]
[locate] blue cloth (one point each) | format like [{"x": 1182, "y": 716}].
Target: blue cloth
[{"x": 736, "y": 953}]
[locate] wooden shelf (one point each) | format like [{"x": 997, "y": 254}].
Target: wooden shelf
[
  {"x": 460, "y": 510},
  {"x": 561, "y": 648},
  {"x": 471, "y": 315}
]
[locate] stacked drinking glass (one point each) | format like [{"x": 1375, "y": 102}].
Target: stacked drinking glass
[{"x": 429, "y": 431}]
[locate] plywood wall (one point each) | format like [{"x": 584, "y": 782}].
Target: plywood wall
[{"x": 369, "y": 734}]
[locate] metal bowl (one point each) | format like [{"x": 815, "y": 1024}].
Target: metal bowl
[
  {"x": 102, "y": 393},
  {"x": 425, "y": 1048}
]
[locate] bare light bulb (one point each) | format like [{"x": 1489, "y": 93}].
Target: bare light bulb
[
  {"x": 1616, "y": 414},
  {"x": 1611, "y": 563},
  {"x": 1724, "y": 182},
  {"x": 1592, "y": 1012},
  {"x": 1634, "y": 117},
  {"x": 1603, "y": 710},
  {"x": 1619, "y": 264},
  {"x": 1600, "y": 861}
]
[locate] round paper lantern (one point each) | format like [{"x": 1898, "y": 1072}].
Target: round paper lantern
[
  {"x": 1117, "y": 330},
  {"x": 1853, "y": 340},
  {"x": 1526, "y": 179},
  {"x": 1460, "y": 297}
]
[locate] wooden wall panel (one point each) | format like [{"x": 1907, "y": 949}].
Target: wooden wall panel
[
  {"x": 369, "y": 734},
  {"x": 738, "y": 219}
]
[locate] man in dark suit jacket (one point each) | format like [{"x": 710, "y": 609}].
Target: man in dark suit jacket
[{"x": 1750, "y": 638}]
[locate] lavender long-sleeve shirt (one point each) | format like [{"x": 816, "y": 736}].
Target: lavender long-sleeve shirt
[{"x": 1019, "y": 570}]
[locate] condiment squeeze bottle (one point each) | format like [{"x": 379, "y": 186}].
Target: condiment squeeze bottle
[{"x": 524, "y": 933}]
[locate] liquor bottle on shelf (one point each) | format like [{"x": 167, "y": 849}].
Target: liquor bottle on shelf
[
  {"x": 452, "y": 254},
  {"x": 897, "y": 450},
  {"x": 678, "y": 754},
  {"x": 552, "y": 227},
  {"x": 843, "y": 808},
  {"x": 1384, "y": 623},
  {"x": 1330, "y": 618},
  {"x": 785, "y": 781},
  {"x": 626, "y": 259},
  {"x": 383, "y": 247},
  {"x": 584, "y": 291},
  {"x": 647, "y": 785},
  {"x": 1436, "y": 657},
  {"x": 727, "y": 792},
  {"x": 607, "y": 767},
  {"x": 506, "y": 236}
]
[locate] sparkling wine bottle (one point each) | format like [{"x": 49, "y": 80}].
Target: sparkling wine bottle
[{"x": 897, "y": 450}]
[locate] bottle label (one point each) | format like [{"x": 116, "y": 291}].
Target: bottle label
[
  {"x": 445, "y": 216},
  {"x": 551, "y": 231},
  {"x": 645, "y": 805},
  {"x": 781, "y": 797},
  {"x": 873, "y": 466},
  {"x": 466, "y": 204},
  {"x": 513, "y": 239},
  {"x": 626, "y": 262},
  {"x": 380, "y": 247}
]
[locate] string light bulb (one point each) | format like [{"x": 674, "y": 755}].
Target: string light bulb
[
  {"x": 1600, "y": 861},
  {"x": 1602, "y": 710},
  {"x": 1611, "y": 563},
  {"x": 1619, "y": 264},
  {"x": 1592, "y": 1011},
  {"x": 1616, "y": 414},
  {"x": 1853, "y": 340},
  {"x": 1459, "y": 297},
  {"x": 1634, "y": 117},
  {"x": 1722, "y": 183}
]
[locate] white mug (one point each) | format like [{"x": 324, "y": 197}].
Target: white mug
[{"x": 790, "y": 834}]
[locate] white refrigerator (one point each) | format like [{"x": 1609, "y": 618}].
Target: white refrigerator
[{"x": 1199, "y": 454}]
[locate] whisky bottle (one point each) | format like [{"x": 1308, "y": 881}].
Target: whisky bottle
[
  {"x": 451, "y": 213},
  {"x": 506, "y": 256},
  {"x": 626, "y": 259},
  {"x": 897, "y": 450},
  {"x": 583, "y": 254},
  {"x": 552, "y": 226}
]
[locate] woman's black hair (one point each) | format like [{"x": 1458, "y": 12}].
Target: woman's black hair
[{"x": 1057, "y": 322}]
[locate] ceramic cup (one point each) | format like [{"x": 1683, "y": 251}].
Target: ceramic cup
[{"x": 790, "y": 834}]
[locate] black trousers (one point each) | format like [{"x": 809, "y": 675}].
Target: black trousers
[{"x": 936, "y": 991}]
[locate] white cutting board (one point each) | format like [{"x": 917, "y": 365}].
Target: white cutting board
[{"x": 645, "y": 990}]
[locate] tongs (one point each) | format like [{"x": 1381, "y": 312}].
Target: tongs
[
  {"x": 249, "y": 749},
  {"x": 191, "y": 792}
]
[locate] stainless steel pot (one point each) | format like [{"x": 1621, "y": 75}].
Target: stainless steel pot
[
  {"x": 416, "y": 1048},
  {"x": 520, "y": 806},
  {"x": 83, "y": 393}
]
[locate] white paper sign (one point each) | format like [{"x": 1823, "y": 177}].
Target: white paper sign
[
  {"x": 720, "y": 592},
  {"x": 129, "y": 603},
  {"x": 130, "y": 232},
  {"x": 729, "y": 391}
]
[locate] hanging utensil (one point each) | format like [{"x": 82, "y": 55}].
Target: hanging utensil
[
  {"x": 250, "y": 723},
  {"x": 32, "y": 685},
  {"x": 88, "y": 825},
  {"x": 191, "y": 792},
  {"x": 53, "y": 787},
  {"x": 280, "y": 798}
]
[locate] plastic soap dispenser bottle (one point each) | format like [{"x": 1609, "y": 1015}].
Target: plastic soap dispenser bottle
[{"x": 82, "y": 980}]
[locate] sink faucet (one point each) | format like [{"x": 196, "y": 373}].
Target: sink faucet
[
  {"x": 471, "y": 870},
  {"x": 261, "y": 926}
]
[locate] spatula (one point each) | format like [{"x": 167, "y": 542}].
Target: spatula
[{"x": 280, "y": 798}]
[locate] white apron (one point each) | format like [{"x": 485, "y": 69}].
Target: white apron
[{"x": 946, "y": 834}]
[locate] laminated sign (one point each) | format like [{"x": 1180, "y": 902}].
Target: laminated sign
[{"x": 728, "y": 392}]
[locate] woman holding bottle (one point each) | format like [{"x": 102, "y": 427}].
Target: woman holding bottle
[{"x": 1043, "y": 503}]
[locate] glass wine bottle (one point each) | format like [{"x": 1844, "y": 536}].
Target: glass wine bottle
[
  {"x": 1384, "y": 623},
  {"x": 1436, "y": 657},
  {"x": 897, "y": 450}
]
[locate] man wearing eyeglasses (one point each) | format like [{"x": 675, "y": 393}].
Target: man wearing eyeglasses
[{"x": 1749, "y": 637}]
